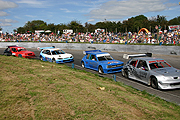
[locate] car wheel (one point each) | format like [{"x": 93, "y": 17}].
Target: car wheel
[
  {"x": 82, "y": 64},
  {"x": 53, "y": 60},
  {"x": 122, "y": 72},
  {"x": 154, "y": 83},
  {"x": 41, "y": 58},
  {"x": 125, "y": 73},
  {"x": 100, "y": 70},
  {"x": 19, "y": 55}
]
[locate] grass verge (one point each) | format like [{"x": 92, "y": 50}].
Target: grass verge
[{"x": 32, "y": 89}]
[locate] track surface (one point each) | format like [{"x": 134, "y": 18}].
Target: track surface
[{"x": 168, "y": 95}]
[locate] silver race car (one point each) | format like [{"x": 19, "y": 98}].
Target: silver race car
[{"x": 152, "y": 71}]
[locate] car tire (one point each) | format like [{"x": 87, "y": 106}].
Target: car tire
[
  {"x": 82, "y": 64},
  {"x": 154, "y": 83},
  {"x": 122, "y": 72},
  {"x": 41, "y": 58},
  {"x": 53, "y": 60},
  {"x": 125, "y": 73},
  {"x": 100, "y": 70},
  {"x": 19, "y": 55}
]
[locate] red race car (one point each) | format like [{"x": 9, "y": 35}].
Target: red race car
[{"x": 18, "y": 52}]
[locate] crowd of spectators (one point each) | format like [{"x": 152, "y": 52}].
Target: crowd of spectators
[{"x": 166, "y": 37}]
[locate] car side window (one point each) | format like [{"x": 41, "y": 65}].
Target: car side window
[
  {"x": 14, "y": 50},
  {"x": 93, "y": 57},
  {"x": 48, "y": 52},
  {"x": 87, "y": 57},
  {"x": 142, "y": 65},
  {"x": 133, "y": 62}
]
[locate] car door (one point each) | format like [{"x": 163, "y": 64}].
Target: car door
[
  {"x": 131, "y": 68},
  {"x": 142, "y": 71},
  {"x": 93, "y": 63},
  {"x": 46, "y": 55},
  {"x": 14, "y": 51}
]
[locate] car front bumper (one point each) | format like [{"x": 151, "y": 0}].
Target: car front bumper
[
  {"x": 67, "y": 60},
  {"x": 169, "y": 85},
  {"x": 33, "y": 56},
  {"x": 113, "y": 70}
]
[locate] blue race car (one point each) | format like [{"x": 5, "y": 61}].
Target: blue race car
[
  {"x": 101, "y": 61},
  {"x": 55, "y": 55}
]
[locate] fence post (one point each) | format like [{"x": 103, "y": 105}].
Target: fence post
[
  {"x": 114, "y": 77},
  {"x": 72, "y": 65}
]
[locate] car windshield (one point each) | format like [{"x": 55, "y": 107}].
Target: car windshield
[
  {"x": 103, "y": 58},
  {"x": 56, "y": 52},
  {"x": 21, "y": 49},
  {"x": 159, "y": 65}
]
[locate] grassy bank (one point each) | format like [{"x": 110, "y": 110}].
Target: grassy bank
[{"x": 32, "y": 89}]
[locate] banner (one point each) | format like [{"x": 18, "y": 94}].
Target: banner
[{"x": 173, "y": 27}]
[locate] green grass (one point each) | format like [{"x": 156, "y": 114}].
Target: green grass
[{"x": 32, "y": 89}]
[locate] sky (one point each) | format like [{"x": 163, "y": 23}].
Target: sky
[{"x": 16, "y": 13}]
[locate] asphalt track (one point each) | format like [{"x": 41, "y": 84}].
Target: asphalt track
[{"x": 168, "y": 95}]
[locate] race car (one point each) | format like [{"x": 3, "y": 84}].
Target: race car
[
  {"x": 55, "y": 55},
  {"x": 18, "y": 52},
  {"x": 155, "y": 72},
  {"x": 101, "y": 61}
]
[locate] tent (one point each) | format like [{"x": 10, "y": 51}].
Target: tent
[{"x": 47, "y": 31}]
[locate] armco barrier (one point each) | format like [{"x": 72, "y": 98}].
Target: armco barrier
[{"x": 166, "y": 50}]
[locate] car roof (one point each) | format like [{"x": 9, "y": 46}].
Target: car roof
[
  {"x": 15, "y": 47},
  {"x": 149, "y": 58},
  {"x": 52, "y": 49},
  {"x": 99, "y": 53}
]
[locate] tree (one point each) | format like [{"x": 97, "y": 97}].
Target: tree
[
  {"x": 51, "y": 27},
  {"x": 174, "y": 21},
  {"x": 75, "y": 25},
  {"x": 21, "y": 30},
  {"x": 34, "y": 25},
  {"x": 61, "y": 27},
  {"x": 89, "y": 27},
  {"x": 133, "y": 24}
]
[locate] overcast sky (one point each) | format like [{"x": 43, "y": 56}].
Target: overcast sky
[{"x": 15, "y": 13}]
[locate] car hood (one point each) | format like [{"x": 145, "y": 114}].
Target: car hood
[
  {"x": 66, "y": 55},
  {"x": 168, "y": 71},
  {"x": 23, "y": 52},
  {"x": 111, "y": 62}
]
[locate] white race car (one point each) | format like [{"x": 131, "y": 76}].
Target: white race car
[{"x": 55, "y": 55}]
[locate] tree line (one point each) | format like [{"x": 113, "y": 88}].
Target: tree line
[{"x": 133, "y": 24}]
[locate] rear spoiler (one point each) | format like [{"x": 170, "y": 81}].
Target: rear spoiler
[
  {"x": 12, "y": 46},
  {"x": 126, "y": 56},
  {"x": 39, "y": 48},
  {"x": 90, "y": 51}
]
